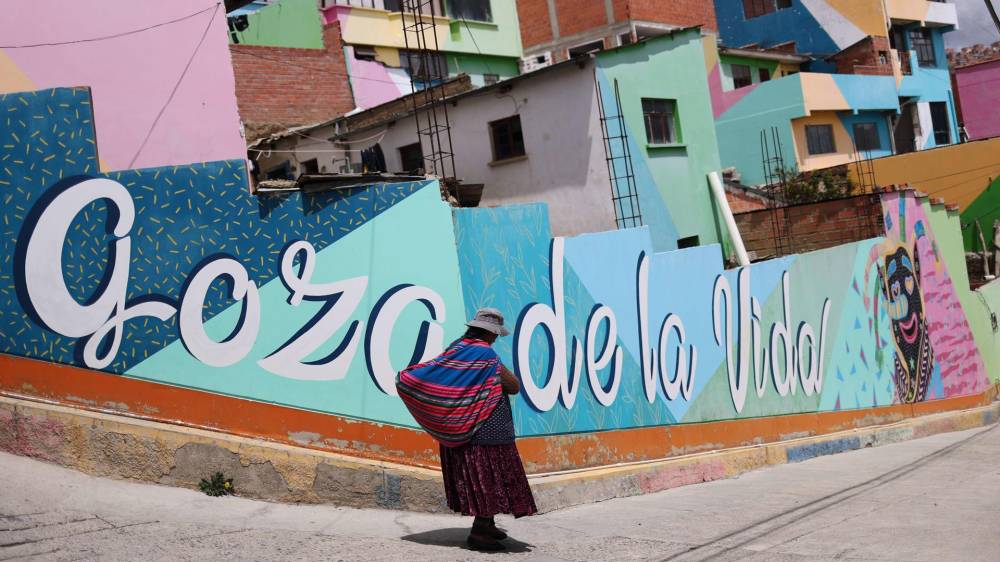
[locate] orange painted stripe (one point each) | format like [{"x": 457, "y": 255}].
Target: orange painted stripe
[{"x": 98, "y": 391}]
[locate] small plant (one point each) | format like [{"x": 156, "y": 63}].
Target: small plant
[
  {"x": 810, "y": 187},
  {"x": 218, "y": 485}
]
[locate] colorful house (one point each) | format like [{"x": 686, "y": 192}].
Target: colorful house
[
  {"x": 874, "y": 81},
  {"x": 479, "y": 38},
  {"x": 594, "y": 138}
]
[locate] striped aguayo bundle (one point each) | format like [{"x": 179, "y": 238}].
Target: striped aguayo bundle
[{"x": 451, "y": 395}]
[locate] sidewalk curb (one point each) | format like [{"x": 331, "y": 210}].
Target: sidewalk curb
[{"x": 122, "y": 447}]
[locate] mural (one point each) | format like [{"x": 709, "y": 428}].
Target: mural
[{"x": 177, "y": 275}]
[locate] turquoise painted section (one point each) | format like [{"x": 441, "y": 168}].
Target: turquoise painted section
[
  {"x": 655, "y": 213},
  {"x": 477, "y": 66},
  {"x": 425, "y": 257},
  {"x": 288, "y": 23},
  {"x": 879, "y": 119},
  {"x": 866, "y": 93},
  {"x": 931, "y": 83},
  {"x": 771, "y": 104},
  {"x": 678, "y": 172}
]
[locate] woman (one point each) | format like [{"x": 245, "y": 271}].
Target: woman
[{"x": 460, "y": 398}]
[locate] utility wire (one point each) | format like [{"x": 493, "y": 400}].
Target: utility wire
[
  {"x": 177, "y": 85},
  {"x": 113, "y": 36}
]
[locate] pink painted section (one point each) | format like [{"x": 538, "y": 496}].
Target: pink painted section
[
  {"x": 954, "y": 347},
  {"x": 722, "y": 101},
  {"x": 335, "y": 13},
  {"x": 372, "y": 83},
  {"x": 977, "y": 87},
  {"x": 131, "y": 77},
  {"x": 676, "y": 476}
]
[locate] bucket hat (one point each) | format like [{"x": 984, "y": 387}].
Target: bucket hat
[{"x": 489, "y": 319}]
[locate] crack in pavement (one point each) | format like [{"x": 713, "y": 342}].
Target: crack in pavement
[
  {"x": 12, "y": 529},
  {"x": 21, "y": 543},
  {"x": 772, "y": 523}
]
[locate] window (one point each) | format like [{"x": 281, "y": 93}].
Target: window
[
  {"x": 475, "y": 10},
  {"x": 508, "y": 142},
  {"x": 625, "y": 38},
  {"x": 490, "y": 79},
  {"x": 755, "y": 8},
  {"x": 424, "y": 67},
  {"x": 687, "y": 242},
  {"x": 591, "y": 47},
  {"x": 393, "y": 5},
  {"x": 883, "y": 57},
  {"x": 364, "y": 53},
  {"x": 764, "y": 74},
  {"x": 309, "y": 167},
  {"x": 282, "y": 171},
  {"x": 411, "y": 157},
  {"x": 922, "y": 42},
  {"x": 741, "y": 75},
  {"x": 660, "y": 116},
  {"x": 819, "y": 139},
  {"x": 940, "y": 122},
  {"x": 866, "y": 136}
]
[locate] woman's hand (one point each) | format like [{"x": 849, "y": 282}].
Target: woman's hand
[{"x": 508, "y": 381}]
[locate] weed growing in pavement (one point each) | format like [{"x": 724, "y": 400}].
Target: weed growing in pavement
[{"x": 218, "y": 485}]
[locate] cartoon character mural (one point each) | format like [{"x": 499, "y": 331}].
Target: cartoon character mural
[{"x": 899, "y": 282}]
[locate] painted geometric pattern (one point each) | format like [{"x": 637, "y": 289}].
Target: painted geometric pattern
[{"x": 184, "y": 215}]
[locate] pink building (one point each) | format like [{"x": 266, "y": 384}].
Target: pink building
[{"x": 976, "y": 86}]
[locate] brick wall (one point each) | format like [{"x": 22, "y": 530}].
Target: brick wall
[
  {"x": 676, "y": 12},
  {"x": 812, "y": 226},
  {"x": 279, "y": 87},
  {"x": 863, "y": 58},
  {"x": 578, "y": 17},
  {"x": 533, "y": 16},
  {"x": 742, "y": 202}
]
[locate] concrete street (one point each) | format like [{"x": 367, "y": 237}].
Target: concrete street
[{"x": 936, "y": 498}]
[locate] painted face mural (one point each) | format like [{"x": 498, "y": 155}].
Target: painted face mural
[{"x": 900, "y": 284}]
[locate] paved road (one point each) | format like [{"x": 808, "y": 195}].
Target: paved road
[{"x": 931, "y": 499}]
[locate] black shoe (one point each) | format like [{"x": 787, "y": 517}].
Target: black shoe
[
  {"x": 484, "y": 544},
  {"x": 490, "y": 531}
]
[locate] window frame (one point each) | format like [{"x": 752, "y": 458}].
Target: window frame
[
  {"x": 757, "y": 8},
  {"x": 817, "y": 142},
  {"x": 860, "y": 137},
  {"x": 403, "y": 156},
  {"x": 667, "y": 120},
  {"x": 749, "y": 75},
  {"x": 451, "y": 13},
  {"x": 922, "y": 41},
  {"x": 763, "y": 74},
  {"x": 511, "y": 136},
  {"x": 945, "y": 117}
]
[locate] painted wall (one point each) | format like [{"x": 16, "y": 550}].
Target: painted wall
[
  {"x": 366, "y": 26},
  {"x": 984, "y": 209},
  {"x": 958, "y": 173},
  {"x": 930, "y": 84},
  {"x": 288, "y": 23},
  {"x": 818, "y": 27},
  {"x": 681, "y": 205},
  {"x": 202, "y": 290},
  {"x": 469, "y": 47},
  {"x": 197, "y": 259},
  {"x": 144, "y": 121},
  {"x": 977, "y": 92}
]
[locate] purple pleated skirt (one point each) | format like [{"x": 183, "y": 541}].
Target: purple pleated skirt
[{"x": 484, "y": 480}]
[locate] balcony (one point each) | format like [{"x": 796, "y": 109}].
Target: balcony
[{"x": 929, "y": 13}]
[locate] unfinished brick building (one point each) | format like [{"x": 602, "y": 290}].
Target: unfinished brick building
[{"x": 554, "y": 30}]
